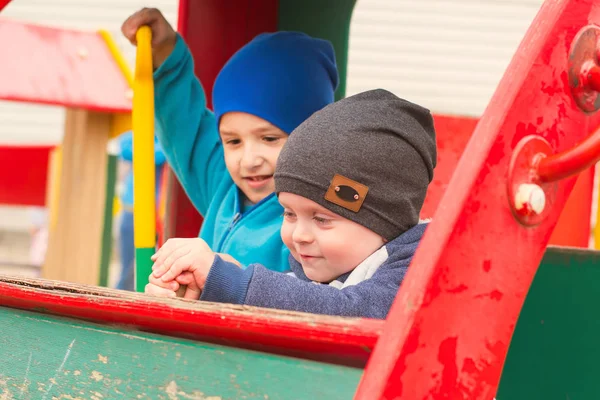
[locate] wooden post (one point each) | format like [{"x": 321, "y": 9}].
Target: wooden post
[{"x": 75, "y": 242}]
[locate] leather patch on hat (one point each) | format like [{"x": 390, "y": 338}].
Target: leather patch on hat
[{"x": 346, "y": 193}]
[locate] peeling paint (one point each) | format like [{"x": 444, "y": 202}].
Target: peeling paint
[
  {"x": 174, "y": 393},
  {"x": 97, "y": 376},
  {"x": 67, "y": 397},
  {"x": 171, "y": 390},
  {"x": 487, "y": 265},
  {"x": 5, "y": 395},
  {"x": 103, "y": 359}
]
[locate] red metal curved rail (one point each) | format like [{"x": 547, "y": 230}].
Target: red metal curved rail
[
  {"x": 572, "y": 161},
  {"x": 580, "y": 157}
]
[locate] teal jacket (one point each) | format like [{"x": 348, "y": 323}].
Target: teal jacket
[{"x": 188, "y": 133}]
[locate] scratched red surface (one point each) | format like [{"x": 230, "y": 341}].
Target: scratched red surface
[
  {"x": 59, "y": 67},
  {"x": 451, "y": 324}
]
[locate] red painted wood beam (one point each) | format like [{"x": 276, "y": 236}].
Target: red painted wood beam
[{"x": 346, "y": 341}]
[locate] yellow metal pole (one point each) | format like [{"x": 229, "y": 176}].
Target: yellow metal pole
[{"x": 144, "y": 212}]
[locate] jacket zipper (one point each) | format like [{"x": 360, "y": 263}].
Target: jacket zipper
[{"x": 236, "y": 218}]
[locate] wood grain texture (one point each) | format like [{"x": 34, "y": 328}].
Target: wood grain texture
[{"x": 75, "y": 243}]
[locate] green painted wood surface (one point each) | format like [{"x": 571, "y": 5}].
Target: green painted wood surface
[
  {"x": 143, "y": 267},
  {"x": 111, "y": 180},
  {"x": 555, "y": 350},
  {"x": 45, "y": 357},
  {"x": 326, "y": 19}
]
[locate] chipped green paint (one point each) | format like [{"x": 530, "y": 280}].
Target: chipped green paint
[
  {"x": 46, "y": 357},
  {"x": 554, "y": 351}
]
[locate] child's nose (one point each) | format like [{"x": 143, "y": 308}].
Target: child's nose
[
  {"x": 302, "y": 234},
  {"x": 251, "y": 158}
]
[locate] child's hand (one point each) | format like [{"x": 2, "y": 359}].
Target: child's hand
[
  {"x": 163, "y": 34},
  {"x": 189, "y": 258},
  {"x": 157, "y": 287}
]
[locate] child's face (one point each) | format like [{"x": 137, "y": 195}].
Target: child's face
[
  {"x": 251, "y": 147},
  {"x": 326, "y": 244}
]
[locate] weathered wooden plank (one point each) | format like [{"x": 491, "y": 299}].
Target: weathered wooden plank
[
  {"x": 46, "y": 357},
  {"x": 346, "y": 341}
]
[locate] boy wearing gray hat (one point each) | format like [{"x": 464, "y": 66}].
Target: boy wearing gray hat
[{"x": 352, "y": 180}]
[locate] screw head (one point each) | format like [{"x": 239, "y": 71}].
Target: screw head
[{"x": 530, "y": 198}]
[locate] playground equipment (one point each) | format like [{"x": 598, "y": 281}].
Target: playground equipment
[
  {"x": 143, "y": 162},
  {"x": 84, "y": 73},
  {"x": 23, "y": 179},
  {"x": 467, "y": 297}
]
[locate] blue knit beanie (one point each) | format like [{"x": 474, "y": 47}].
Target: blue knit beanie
[{"x": 281, "y": 77}]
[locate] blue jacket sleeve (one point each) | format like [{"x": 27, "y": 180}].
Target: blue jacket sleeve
[
  {"x": 258, "y": 286},
  {"x": 371, "y": 298},
  {"x": 186, "y": 129},
  {"x": 126, "y": 146},
  {"x": 226, "y": 282}
]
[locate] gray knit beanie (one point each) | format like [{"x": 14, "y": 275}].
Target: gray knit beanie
[{"x": 369, "y": 158}]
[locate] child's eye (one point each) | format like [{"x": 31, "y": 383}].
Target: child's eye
[
  {"x": 271, "y": 139},
  {"x": 232, "y": 142},
  {"x": 288, "y": 215},
  {"x": 321, "y": 221}
]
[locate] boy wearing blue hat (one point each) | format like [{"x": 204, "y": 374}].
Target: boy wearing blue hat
[{"x": 226, "y": 160}]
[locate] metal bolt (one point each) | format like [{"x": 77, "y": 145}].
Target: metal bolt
[{"x": 530, "y": 198}]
